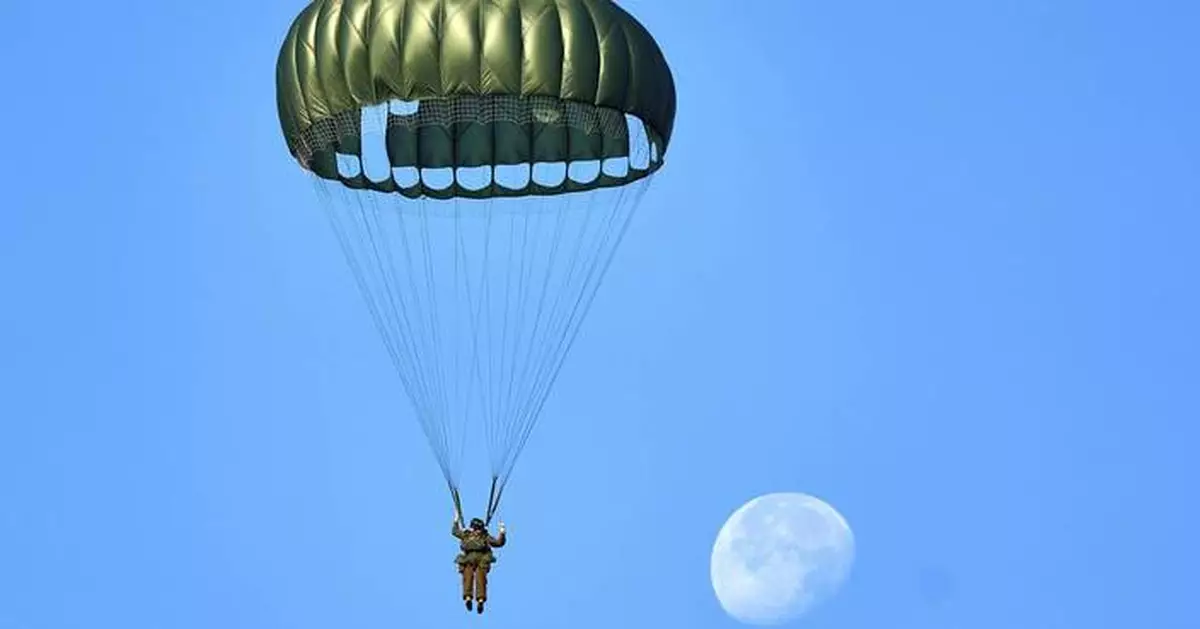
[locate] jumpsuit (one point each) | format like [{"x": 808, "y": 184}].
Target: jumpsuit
[{"x": 476, "y": 559}]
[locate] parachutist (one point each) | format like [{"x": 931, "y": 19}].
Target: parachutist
[{"x": 475, "y": 559}]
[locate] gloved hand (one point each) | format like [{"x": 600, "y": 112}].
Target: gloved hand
[{"x": 501, "y": 527}]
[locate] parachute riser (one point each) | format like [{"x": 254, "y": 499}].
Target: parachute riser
[{"x": 457, "y": 503}]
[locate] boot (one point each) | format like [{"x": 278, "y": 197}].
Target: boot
[
  {"x": 479, "y": 607},
  {"x": 467, "y": 600}
]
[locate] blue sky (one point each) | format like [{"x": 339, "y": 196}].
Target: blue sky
[{"x": 958, "y": 303}]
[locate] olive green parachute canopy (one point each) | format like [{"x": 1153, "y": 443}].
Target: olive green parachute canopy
[
  {"x": 479, "y": 162},
  {"x": 498, "y": 82}
]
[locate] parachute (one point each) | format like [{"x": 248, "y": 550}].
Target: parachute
[{"x": 479, "y": 162}]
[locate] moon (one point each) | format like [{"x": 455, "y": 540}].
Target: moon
[{"x": 780, "y": 555}]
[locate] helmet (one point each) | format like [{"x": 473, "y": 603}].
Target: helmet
[{"x": 477, "y": 524}]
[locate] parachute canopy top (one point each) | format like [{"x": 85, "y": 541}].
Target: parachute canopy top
[{"x": 470, "y": 83}]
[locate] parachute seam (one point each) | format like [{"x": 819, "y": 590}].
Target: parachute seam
[
  {"x": 292, "y": 48},
  {"x": 442, "y": 17},
  {"x": 369, "y": 25},
  {"x": 348, "y": 21},
  {"x": 306, "y": 43},
  {"x": 562, "y": 47},
  {"x": 591, "y": 14},
  {"x": 631, "y": 67},
  {"x": 405, "y": 37},
  {"x": 322, "y": 25}
]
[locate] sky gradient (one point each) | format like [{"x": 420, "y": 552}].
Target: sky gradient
[{"x": 958, "y": 302}]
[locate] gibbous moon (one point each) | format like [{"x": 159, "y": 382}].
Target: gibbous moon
[{"x": 778, "y": 556}]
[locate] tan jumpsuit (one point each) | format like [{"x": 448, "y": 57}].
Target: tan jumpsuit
[{"x": 475, "y": 560}]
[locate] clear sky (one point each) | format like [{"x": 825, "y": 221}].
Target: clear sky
[{"x": 958, "y": 302}]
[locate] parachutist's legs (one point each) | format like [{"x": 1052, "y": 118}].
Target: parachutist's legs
[
  {"x": 481, "y": 576},
  {"x": 468, "y": 580}
]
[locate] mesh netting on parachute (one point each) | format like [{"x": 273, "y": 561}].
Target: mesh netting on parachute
[{"x": 478, "y": 300}]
